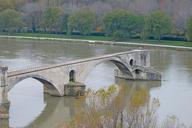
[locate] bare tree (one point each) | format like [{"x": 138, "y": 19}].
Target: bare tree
[{"x": 32, "y": 15}]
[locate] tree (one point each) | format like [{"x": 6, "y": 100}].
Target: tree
[
  {"x": 82, "y": 21},
  {"x": 10, "y": 20},
  {"x": 11, "y": 4},
  {"x": 32, "y": 15},
  {"x": 5, "y": 4},
  {"x": 51, "y": 19},
  {"x": 122, "y": 25},
  {"x": 64, "y": 22},
  {"x": 159, "y": 23},
  {"x": 115, "y": 22},
  {"x": 138, "y": 22},
  {"x": 113, "y": 107},
  {"x": 189, "y": 29}
]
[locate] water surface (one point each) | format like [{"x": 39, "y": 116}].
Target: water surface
[{"x": 32, "y": 109}]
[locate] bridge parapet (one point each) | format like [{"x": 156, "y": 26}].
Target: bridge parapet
[{"x": 57, "y": 78}]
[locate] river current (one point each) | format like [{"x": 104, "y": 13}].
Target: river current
[{"x": 32, "y": 109}]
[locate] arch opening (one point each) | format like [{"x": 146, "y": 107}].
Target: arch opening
[
  {"x": 110, "y": 74},
  {"x": 72, "y": 76},
  {"x": 48, "y": 86},
  {"x": 137, "y": 71},
  {"x": 25, "y": 94},
  {"x": 131, "y": 62}
]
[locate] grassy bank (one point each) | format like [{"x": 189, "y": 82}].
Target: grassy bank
[{"x": 100, "y": 38}]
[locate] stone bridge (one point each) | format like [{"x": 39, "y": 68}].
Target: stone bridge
[{"x": 131, "y": 65}]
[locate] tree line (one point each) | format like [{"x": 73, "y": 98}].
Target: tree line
[{"x": 120, "y": 24}]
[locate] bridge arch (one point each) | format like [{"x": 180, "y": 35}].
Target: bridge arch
[
  {"x": 123, "y": 67},
  {"x": 49, "y": 86}
]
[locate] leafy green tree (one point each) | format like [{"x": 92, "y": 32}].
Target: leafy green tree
[
  {"x": 51, "y": 19},
  {"x": 64, "y": 26},
  {"x": 115, "y": 23},
  {"x": 121, "y": 25},
  {"x": 11, "y": 4},
  {"x": 159, "y": 23},
  {"x": 82, "y": 21},
  {"x": 137, "y": 25},
  {"x": 146, "y": 31},
  {"x": 189, "y": 29},
  {"x": 5, "y": 4},
  {"x": 10, "y": 20}
]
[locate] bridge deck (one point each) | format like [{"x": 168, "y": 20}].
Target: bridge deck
[{"x": 35, "y": 69}]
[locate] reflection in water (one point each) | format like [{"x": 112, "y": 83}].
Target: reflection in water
[
  {"x": 4, "y": 123},
  {"x": 27, "y": 102},
  {"x": 145, "y": 84},
  {"x": 29, "y": 108},
  {"x": 57, "y": 112},
  {"x": 50, "y": 112},
  {"x": 131, "y": 104},
  {"x": 60, "y": 110}
]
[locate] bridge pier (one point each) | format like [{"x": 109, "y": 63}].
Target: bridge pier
[
  {"x": 74, "y": 89},
  {"x": 146, "y": 74},
  {"x": 4, "y": 103}
]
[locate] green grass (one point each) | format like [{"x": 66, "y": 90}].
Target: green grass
[
  {"x": 165, "y": 42},
  {"x": 102, "y": 38}
]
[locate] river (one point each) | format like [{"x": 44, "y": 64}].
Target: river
[{"x": 32, "y": 109}]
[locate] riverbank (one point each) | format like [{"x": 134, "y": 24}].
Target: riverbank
[{"x": 179, "y": 45}]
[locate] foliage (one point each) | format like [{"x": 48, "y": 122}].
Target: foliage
[
  {"x": 172, "y": 122},
  {"x": 5, "y": 4},
  {"x": 120, "y": 107},
  {"x": 10, "y": 4},
  {"x": 10, "y": 20},
  {"x": 139, "y": 98},
  {"x": 32, "y": 16},
  {"x": 112, "y": 107},
  {"x": 64, "y": 22},
  {"x": 51, "y": 18},
  {"x": 158, "y": 23},
  {"x": 122, "y": 24},
  {"x": 82, "y": 21},
  {"x": 189, "y": 29},
  {"x": 114, "y": 21},
  {"x": 143, "y": 117},
  {"x": 103, "y": 18}
]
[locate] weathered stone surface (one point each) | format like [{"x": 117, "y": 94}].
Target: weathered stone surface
[
  {"x": 4, "y": 110},
  {"x": 4, "y": 103},
  {"x": 74, "y": 89},
  {"x": 140, "y": 73},
  {"x": 56, "y": 78}
]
